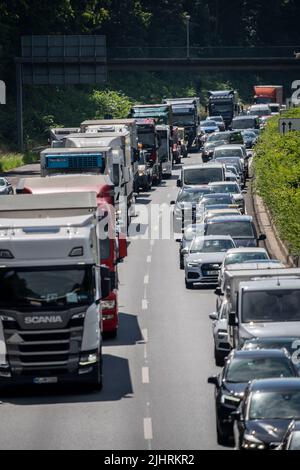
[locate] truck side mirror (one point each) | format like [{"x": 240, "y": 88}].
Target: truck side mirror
[
  {"x": 105, "y": 282},
  {"x": 179, "y": 183},
  {"x": 232, "y": 319},
  {"x": 213, "y": 380}
]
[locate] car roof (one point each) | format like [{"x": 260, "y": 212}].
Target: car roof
[
  {"x": 202, "y": 166},
  {"x": 219, "y": 212},
  {"x": 236, "y": 218},
  {"x": 214, "y": 195},
  {"x": 276, "y": 385},
  {"x": 214, "y": 237},
  {"x": 246, "y": 250},
  {"x": 257, "y": 353},
  {"x": 245, "y": 116},
  {"x": 229, "y": 147},
  {"x": 195, "y": 188},
  {"x": 221, "y": 183}
]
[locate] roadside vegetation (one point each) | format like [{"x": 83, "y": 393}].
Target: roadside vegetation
[
  {"x": 9, "y": 161},
  {"x": 277, "y": 169}
]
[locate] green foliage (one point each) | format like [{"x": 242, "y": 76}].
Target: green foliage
[
  {"x": 9, "y": 161},
  {"x": 277, "y": 169}
]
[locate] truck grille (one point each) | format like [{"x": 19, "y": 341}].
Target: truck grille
[{"x": 56, "y": 350}]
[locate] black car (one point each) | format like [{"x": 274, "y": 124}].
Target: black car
[
  {"x": 250, "y": 138},
  {"x": 290, "y": 343},
  {"x": 265, "y": 413},
  {"x": 291, "y": 440},
  {"x": 240, "y": 368}
]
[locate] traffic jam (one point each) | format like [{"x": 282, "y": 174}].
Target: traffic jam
[{"x": 64, "y": 233}]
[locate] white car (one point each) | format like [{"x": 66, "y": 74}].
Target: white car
[
  {"x": 220, "y": 332},
  {"x": 205, "y": 256},
  {"x": 242, "y": 255}
]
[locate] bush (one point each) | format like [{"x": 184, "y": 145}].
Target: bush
[
  {"x": 10, "y": 161},
  {"x": 277, "y": 170}
]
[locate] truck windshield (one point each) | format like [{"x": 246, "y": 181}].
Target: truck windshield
[
  {"x": 46, "y": 287},
  {"x": 183, "y": 119},
  {"x": 203, "y": 175},
  {"x": 271, "y": 306},
  {"x": 146, "y": 138}
]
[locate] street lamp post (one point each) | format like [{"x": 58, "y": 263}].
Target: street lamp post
[{"x": 188, "y": 35}]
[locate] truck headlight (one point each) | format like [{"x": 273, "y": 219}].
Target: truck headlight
[
  {"x": 88, "y": 359},
  {"x": 108, "y": 304}
]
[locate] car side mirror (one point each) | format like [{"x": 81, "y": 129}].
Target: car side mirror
[
  {"x": 262, "y": 237},
  {"x": 178, "y": 240},
  {"x": 213, "y": 380},
  {"x": 219, "y": 291},
  {"x": 172, "y": 203},
  {"x": 213, "y": 316},
  {"x": 179, "y": 183},
  {"x": 232, "y": 319}
]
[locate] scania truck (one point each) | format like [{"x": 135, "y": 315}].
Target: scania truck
[
  {"x": 50, "y": 290},
  {"x": 113, "y": 247}
]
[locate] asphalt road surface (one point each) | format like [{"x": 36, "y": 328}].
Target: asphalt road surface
[{"x": 155, "y": 393}]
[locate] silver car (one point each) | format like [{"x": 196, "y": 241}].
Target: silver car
[
  {"x": 205, "y": 256},
  {"x": 220, "y": 332}
]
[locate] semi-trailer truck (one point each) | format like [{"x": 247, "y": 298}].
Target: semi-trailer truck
[
  {"x": 113, "y": 246},
  {"x": 223, "y": 103},
  {"x": 268, "y": 94},
  {"x": 50, "y": 290}
]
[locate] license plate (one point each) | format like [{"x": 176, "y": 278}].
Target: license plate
[
  {"x": 45, "y": 380},
  {"x": 211, "y": 273}
]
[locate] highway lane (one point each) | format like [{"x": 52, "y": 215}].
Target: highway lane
[{"x": 155, "y": 393}]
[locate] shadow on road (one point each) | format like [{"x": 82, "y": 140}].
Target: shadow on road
[
  {"x": 116, "y": 385},
  {"x": 129, "y": 331}
]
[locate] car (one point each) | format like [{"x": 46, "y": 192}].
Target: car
[
  {"x": 218, "y": 139},
  {"x": 215, "y": 198},
  {"x": 250, "y": 138},
  {"x": 290, "y": 343},
  {"x": 211, "y": 214},
  {"x": 291, "y": 440},
  {"x": 209, "y": 126},
  {"x": 5, "y": 187},
  {"x": 187, "y": 198},
  {"x": 200, "y": 174},
  {"x": 233, "y": 189},
  {"x": 220, "y": 332},
  {"x": 185, "y": 242},
  {"x": 245, "y": 122},
  {"x": 260, "y": 110},
  {"x": 241, "y": 229},
  {"x": 242, "y": 255},
  {"x": 232, "y": 174},
  {"x": 265, "y": 413},
  {"x": 237, "y": 162},
  {"x": 242, "y": 367},
  {"x": 219, "y": 120},
  {"x": 203, "y": 261}
]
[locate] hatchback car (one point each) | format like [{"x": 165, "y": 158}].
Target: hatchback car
[
  {"x": 240, "y": 368},
  {"x": 203, "y": 261},
  {"x": 265, "y": 413}
]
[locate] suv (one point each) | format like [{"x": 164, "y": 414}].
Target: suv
[{"x": 200, "y": 174}]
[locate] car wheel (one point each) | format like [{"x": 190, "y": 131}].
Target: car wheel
[
  {"x": 181, "y": 263},
  {"x": 189, "y": 285},
  {"x": 219, "y": 358}
]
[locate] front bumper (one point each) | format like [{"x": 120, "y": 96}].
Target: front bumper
[{"x": 201, "y": 275}]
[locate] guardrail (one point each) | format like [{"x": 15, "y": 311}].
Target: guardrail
[{"x": 202, "y": 52}]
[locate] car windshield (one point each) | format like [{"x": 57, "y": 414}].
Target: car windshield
[
  {"x": 192, "y": 196},
  {"x": 202, "y": 175},
  {"x": 271, "y": 306},
  {"x": 220, "y": 153},
  {"x": 208, "y": 123},
  {"x": 218, "y": 137},
  {"x": 230, "y": 188},
  {"x": 295, "y": 441},
  {"x": 211, "y": 201},
  {"x": 290, "y": 344},
  {"x": 236, "y": 229},
  {"x": 243, "y": 123},
  {"x": 238, "y": 258},
  {"x": 275, "y": 405},
  {"x": 2, "y": 182},
  {"x": 45, "y": 287},
  {"x": 200, "y": 245},
  {"x": 244, "y": 370},
  {"x": 146, "y": 138}
]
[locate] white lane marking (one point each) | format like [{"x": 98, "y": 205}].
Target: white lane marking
[
  {"x": 148, "y": 434},
  {"x": 149, "y": 259},
  {"x": 144, "y": 304},
  {"x": 145, "y": 335},
  {"x": 145, "y": 375},
  {"x": 146, "y": 279},
  {"x": 152, "y": 242},
  {"x": 145, "y": 353}
]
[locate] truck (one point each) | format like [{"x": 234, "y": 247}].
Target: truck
[
  {"x": 113, "y": 246},
  {"x": 164, "y": 150},
  {"x": 116, "y": 125},
  {"x": 58, "y": 134},
  {"x": 148, "y": 139},
  {"x": 223, "y": 103},
  {"x": 186, "y": 113},
  {"x": 240, "y": 281},
  {"x": 161, "y": 113},
  {"x": 108, "y": 154},
  {"x": 51, "y": 286},
  {"x": 268, "y": 94}
]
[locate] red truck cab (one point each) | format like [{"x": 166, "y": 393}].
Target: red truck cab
[{"x": 113, "y": 248}]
